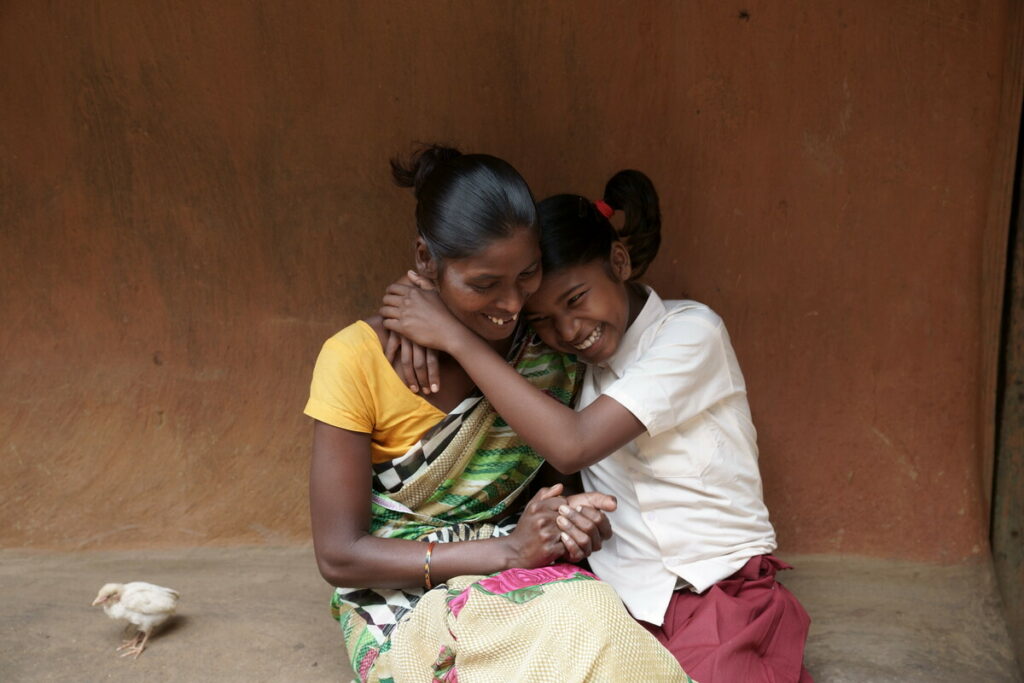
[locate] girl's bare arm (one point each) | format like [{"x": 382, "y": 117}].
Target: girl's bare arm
[{"x": 567, "y": 439}]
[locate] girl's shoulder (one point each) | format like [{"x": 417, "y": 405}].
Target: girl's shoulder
[
  {"x": 679, "y": 316},
  {"x": 678, "y": 327},
  {"x": 688, "y": 310}
]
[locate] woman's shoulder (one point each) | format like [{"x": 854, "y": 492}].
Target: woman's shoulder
[
  {"x": 368, "y": 334},
  {"x": 356, "y": 346}
]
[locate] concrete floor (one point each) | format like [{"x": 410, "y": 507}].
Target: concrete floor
[
  {"x": 879, "y": 620},
  {"x": 260, "y": 614}
]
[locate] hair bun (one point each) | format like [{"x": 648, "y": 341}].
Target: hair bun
[
  {"x": 464, "y": 202},
  {"x": 415, "y": 171}
]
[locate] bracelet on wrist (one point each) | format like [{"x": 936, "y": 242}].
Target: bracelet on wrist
[{"x": 427, "y": 583}]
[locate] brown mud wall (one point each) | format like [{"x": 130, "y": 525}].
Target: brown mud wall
[{"x": 193, "y": 197}]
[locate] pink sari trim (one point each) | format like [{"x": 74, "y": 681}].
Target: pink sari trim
[{"x": 512, "y": 580}]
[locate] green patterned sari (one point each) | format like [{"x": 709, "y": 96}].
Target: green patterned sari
[
  {"x": 459, "y": 483},
  {"x": 456, "y": 484}
]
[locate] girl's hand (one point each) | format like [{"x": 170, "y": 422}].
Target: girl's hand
[
  {"x": 419, "y": 315},
  {"x": 536, "y": 541},
  {"x": 584, "y": 524}
]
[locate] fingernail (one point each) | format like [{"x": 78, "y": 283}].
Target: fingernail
[
  {"x": 562, "y": 521},
  {"x": 433, "y": 387},
  {"x": 579, "y": 508},
  {"x": 564, "y": 509},
  {"x": 565, "y": 537},
  {"x": 413, "y": 388}
]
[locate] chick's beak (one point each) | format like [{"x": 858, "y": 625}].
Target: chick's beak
[{"x": 98, "y": 601}]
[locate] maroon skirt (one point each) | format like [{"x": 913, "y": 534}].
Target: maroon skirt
[{"x": 747, "y": 628}]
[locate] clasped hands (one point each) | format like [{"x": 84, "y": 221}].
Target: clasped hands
[{"x": 554, "y": 527}]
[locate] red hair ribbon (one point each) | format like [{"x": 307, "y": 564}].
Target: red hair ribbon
[{"x": 604, "y": 207}]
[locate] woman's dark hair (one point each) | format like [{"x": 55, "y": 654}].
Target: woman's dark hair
[
  {"x": 573, "y": 231},
  {"x": 464, "y": 201}
]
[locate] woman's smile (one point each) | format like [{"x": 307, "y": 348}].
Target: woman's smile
[
  {"x": 501, "y": 321},
  {"x": 486, "y": 291}
]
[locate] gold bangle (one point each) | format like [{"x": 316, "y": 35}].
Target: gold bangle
[{"x": 426, "y": 565}]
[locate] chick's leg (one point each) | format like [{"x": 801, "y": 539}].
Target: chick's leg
[
  {"x": 131, "y": 642},
  {"x": 136, "y": 650}
]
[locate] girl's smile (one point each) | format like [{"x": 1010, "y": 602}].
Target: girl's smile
[
  {"x": 591, "y": 339},
  {"x": 584, "y": 310}
]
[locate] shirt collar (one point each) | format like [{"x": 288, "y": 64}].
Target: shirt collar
[{"x": 629, "y": 346}]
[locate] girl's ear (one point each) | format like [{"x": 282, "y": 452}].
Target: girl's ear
[
  {"x": 425, "y": 263},
  {"x": 622, "y": 267}
]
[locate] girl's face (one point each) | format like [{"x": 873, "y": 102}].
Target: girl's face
[
  {"x": 486, "y": 291},
  {"x": 584, "y": 309}
]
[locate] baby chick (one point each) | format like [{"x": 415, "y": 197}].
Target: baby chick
[{"x": 143, "y": 604}]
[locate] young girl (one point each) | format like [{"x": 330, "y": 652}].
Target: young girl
[
  {"x": 414, "y": 499},
  {"x": 662, "y": 423}
]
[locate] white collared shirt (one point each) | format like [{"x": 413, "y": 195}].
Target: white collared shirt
[{"x": 689, "y": 490}]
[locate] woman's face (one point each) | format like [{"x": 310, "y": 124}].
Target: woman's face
[{"x": 486, "y": 291}]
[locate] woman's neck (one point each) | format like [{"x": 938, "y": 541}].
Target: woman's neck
[{"x": 502, "y": 346}]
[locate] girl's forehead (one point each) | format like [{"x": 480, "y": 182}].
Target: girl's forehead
[{"x": 556, "y": 287}]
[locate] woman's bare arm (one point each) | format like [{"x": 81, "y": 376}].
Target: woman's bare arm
[{"x": 348, "y": 555}]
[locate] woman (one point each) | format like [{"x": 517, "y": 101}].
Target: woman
[{"x": 397, "y": 478}]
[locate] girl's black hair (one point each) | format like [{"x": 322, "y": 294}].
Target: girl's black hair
[
  {"x": 574, "y": 232},
  {"x": 464, "y": 201}
]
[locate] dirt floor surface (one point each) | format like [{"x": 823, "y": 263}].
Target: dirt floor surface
[
  {"x": 260, "y": 614},
  {"x": 246, "y": 614}
]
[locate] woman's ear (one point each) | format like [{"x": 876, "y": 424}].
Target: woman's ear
[
  {"x": 425, "y": 263},
  {"x": 622, "y": 267}
]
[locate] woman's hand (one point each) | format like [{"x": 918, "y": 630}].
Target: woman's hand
[
  {"x": 537, "y": 541},
  {"x": 419, "y": 314},
  {"x": 553, "y": 527},
  {"x": 418, "y": 365}
]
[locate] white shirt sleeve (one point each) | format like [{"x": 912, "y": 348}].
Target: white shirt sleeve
[{"x": 683, "y": 372}]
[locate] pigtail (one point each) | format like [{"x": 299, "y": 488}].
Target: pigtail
[
  {"x": 633, "y": 193},
  {"x": 414, "y": 171}
]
